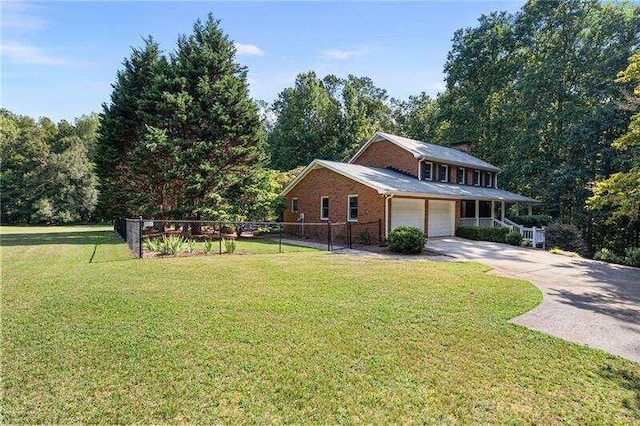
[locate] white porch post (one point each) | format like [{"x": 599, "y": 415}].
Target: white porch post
[
  {"x": 529, "y": 209},
  {"x": 493, "y": 211},
  {"x": 477, "y": 212},
  {"x": 502, "y": 211}
]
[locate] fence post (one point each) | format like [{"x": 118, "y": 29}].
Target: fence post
[
  {"x": 328, "y": 236},
  {"x": 140, "y": 227},
  {"x": 280, "y": 238},
  {"x": 220, "y": 239}
]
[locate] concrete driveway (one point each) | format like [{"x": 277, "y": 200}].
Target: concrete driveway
[{"x": 588, "y": 302}]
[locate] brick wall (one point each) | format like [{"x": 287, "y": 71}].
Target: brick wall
[
  {"x": 324, "y": 182},
  {"x": 385, "y": 154}
]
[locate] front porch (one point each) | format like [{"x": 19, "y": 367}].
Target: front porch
[{"x": 490, "y": 214}]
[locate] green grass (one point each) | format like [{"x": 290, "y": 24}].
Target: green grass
[{"x": 306, "y": 337}]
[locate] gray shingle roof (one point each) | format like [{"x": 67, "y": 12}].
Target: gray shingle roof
[
  {"x": 432, "y": 152},
  {"x": 387, "y": 181}
]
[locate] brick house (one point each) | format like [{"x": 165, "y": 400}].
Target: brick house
[{"x": 395, "y": 181}]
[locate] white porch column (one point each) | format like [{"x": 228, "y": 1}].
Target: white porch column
[
  {"x": 493, "y": 211},
  {"x": 477, "y": 212},
  {"x": 529, "y": 209},
  {"x": 502, "y": 211}
]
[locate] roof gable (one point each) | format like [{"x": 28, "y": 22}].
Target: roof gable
[{"x": 428, "y": 151}]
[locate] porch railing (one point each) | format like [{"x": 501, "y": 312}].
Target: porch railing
[{"x": 482, "y": 222}]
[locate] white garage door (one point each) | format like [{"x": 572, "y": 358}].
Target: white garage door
[
  {"x": 407, "y": 212},
  {"x": 441, "y": 218}
]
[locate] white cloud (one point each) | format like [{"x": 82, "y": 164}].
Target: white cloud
[
  {"x": 21, "y": 16},
  {"x": 248, "y": 49},
  {"x": 20, "y": 53},
  {"x": 343, "y": 54}
]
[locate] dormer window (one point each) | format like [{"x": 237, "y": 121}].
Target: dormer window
[
  {"x": 426, "y": 170},
  {"x": 443, "y": 173},
  {"x": 489, "y": 180},
  {"x": 476, "y": 177},
  {"x": 460, "y": 175}
]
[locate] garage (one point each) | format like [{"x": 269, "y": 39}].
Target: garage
[
  {"x": 442, "y": 218},
  {"x": 407, "y": 212}
]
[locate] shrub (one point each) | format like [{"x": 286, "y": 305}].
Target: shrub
[
  {"x": 532, "y": 220},
  {"x": 497, "y": 235},
  {"x": 632, "y": 256},
  {"x": 407, "y": 240},
  {"x": 172, "y": 245},
  {"x": 513, "y": 238},
  {"x": 152, "y": 244},
  {"x": 191, "y": 245},
  {"x": 364, "y": 237},
  {"x": 207, "y": 246},
  {"x": 607, "y": 255},
  {"x": 565, "y": 236},
  {"x": 229, "y": 245}
]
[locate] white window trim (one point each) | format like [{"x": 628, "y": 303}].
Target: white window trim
[
  {"x": 446, "y": 175},
  {"x": 464, "y": 176},
  {"x": 476, "y": 172},
  {"x": 349, "y": 197},
  {"x": 292, "y": 210},
  {"x": 324, "y": 197},
  {"x": 489, "y": 178},
  {"x": 420, "y": 170}
]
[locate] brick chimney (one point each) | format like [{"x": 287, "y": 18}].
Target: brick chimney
[{"x": 462, "y": 146}]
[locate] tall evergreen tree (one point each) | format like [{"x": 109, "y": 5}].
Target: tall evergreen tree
[
  {"x": 217, "y": 130},
  {"x": 180, "y": 130},
  {"x": 135, "y": 103}
]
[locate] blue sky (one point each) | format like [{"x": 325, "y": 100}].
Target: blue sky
[{"x": 59, "y": 59}]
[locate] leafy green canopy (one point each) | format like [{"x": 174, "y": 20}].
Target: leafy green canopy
[
  {"x": 181, "y": 137},
  {"x": 620, "y": 192},
  {"x": 47, "y": 174},
  {"x": 532, "y": 93},
  {"x": 325, "y": 118}
]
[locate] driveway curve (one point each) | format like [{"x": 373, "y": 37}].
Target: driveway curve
[{"x": 585, "y": 301}]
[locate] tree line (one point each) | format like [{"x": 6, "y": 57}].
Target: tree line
[{"x": 533, "y": 92}]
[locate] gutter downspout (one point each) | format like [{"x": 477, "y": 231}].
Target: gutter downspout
[{"x": 387, "y": 197}]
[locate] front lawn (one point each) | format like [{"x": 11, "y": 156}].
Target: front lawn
[{"x": 92, "y": 335}]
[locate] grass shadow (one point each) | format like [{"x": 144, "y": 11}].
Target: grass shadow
[
  {"x": 627, "y": 379},
  {"x": 76, "y": 238}
]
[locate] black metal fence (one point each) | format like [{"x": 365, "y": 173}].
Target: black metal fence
[{"x": 323, "y": 235}]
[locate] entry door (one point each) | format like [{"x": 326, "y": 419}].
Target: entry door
[
  {"x": 442, "y": 218},
  {"x": 407, "y": 212}
]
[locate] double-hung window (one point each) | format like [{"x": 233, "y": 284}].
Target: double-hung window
[
  {"x": 294, "y": 205},
  {"x": 489, "y": 179},
  {"x": 324, "y": 208},
  {"x": 476, "y": 177},
  {"x": 443, "y": 173},
  {"x": 460, "y": 175},
  {"x": 352, "y": 208},
  {"x": 426, "y": 170}
]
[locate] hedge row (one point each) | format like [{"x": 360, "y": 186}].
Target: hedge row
[
  {"x": 630, "y": 258},
  {"x": 497, "y": 235}
]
